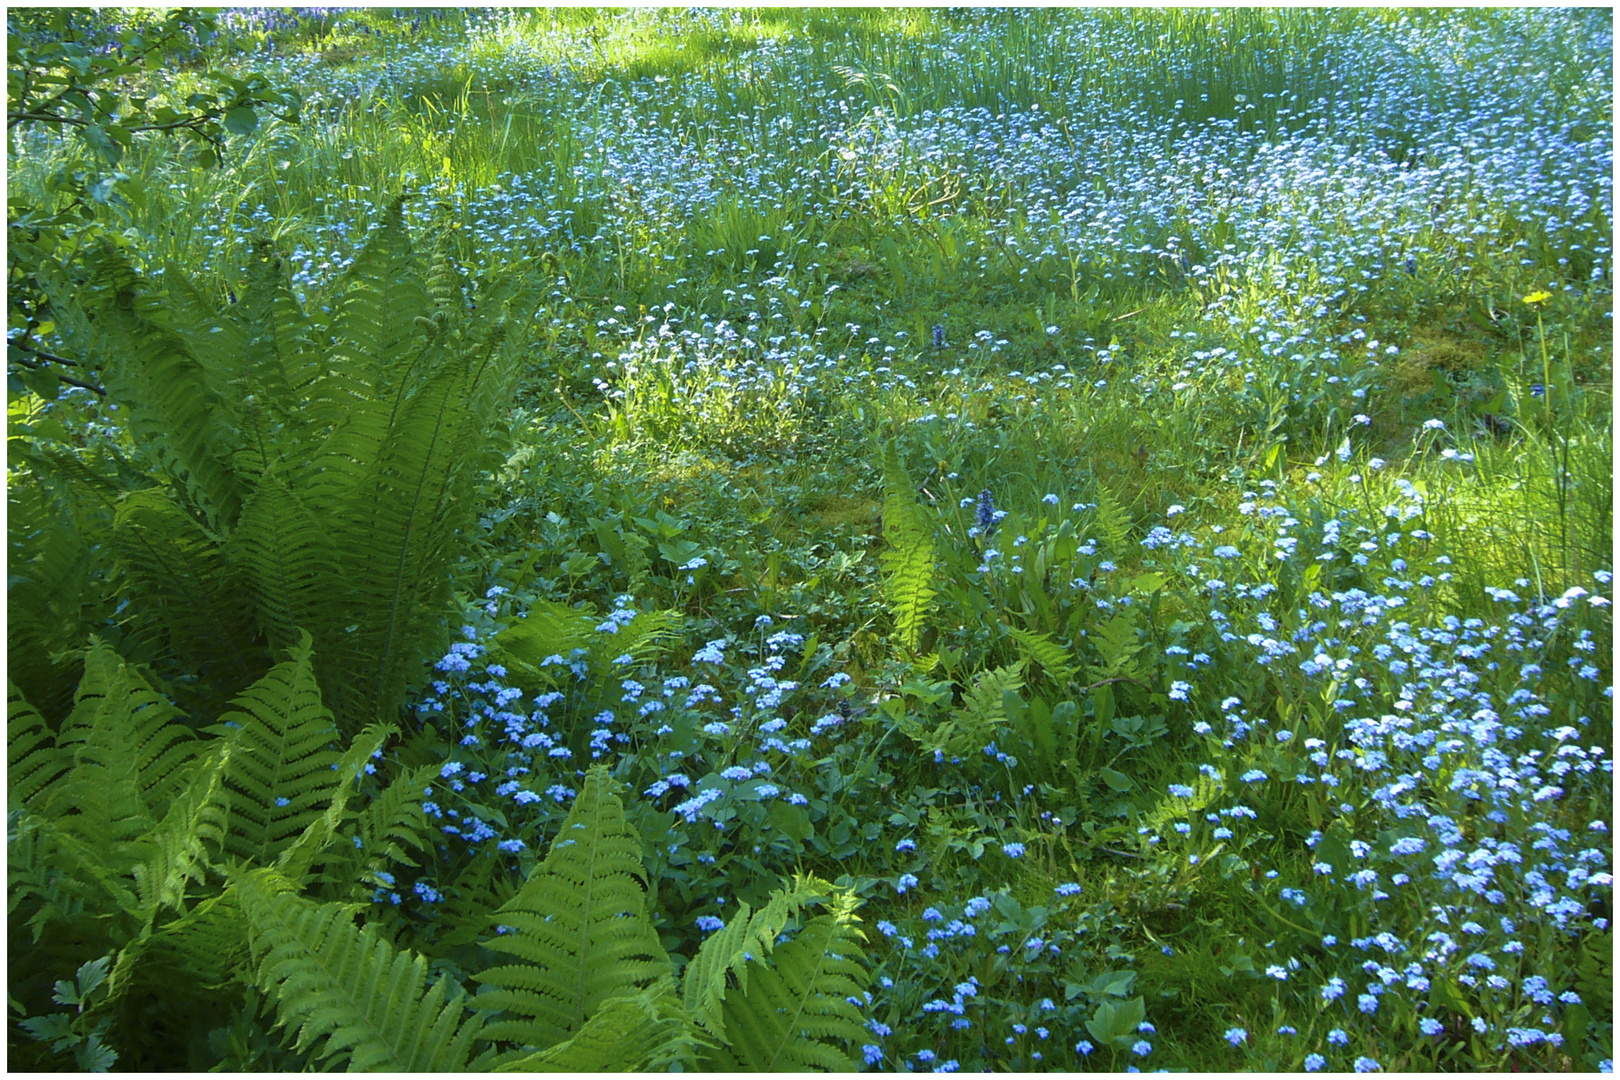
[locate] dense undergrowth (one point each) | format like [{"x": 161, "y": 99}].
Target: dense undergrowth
[{"x": 1122, "y": 498}]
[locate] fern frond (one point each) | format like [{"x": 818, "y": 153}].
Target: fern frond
[
  {"x": 795, "y": 1013},
  {"x": 131, "y": 758},
  {"x": 283, "y": 369},
  {"x": 38, "y": 883},
  {"x": 33, "y": 762},
  {"x": 319, "y": 834},
  {"x": 54, "y": 585},
  {"x": 177, "y": 849},
  {"x": 281, "y": 768},
  {"x": 983, "y": 713},
  {"x": 1112, "y": 521},
  {"x": 472, "y": 901},
  {"x": 380, "y": 296},
  {"x": 284, "y": 554},
  {"x": 724, "y": 955},
  {"x": 550, "y": 629},
  {"x": 1057, "y": 661},
  {"x": 120, "y": 725},
  {"x": 579, "y": 925},
  {"x": 178, "y": 578},
  {"x": 645, "y": 1032},
  {"x": 640, "y": 639},
  {"x": 346, "y": 992},
  {"x": 908, "y": 561},
  {"x": 172, "y": 408},
  {"x": 205, "y": 949}
]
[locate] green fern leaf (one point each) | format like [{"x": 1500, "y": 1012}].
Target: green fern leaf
[
  {"x": 380, "y": 296},
  {"x": 1112, "y": 522},
  {"x": 908, "y": 561},
  {"x": 470, "y": 902},
  {"x": 795, "y": 1012},
  {"x": 39, "y": 883},
  {"x": 59, "y": 512},
  {"x": 318, "y": 836},
  {"x": 550, "y": 629},
  {"x": 120, "y": 728},
  {"x": 1058, "y": 662},
  {"x": 178, "y": 579},
  {"x": 579, "y": 925},
  {"x": 281, "y": 772},
  {"x": 349, "y": 995},
  {"x": 285, "y": 378},
  {"x": 724, "y": 956},
  {"x": 640, "y": 639},
  {"x": 177, "y": 849},
  {"x": 32, "y": 761},
  {"x": 983, "y": 713},
  {"x": 205, "y": 949},
  {"x": 391, "y": 473},
  {"x": 645, "y": 1032},
  {"x": 172, "y": 408},
  {"x": 285, "y": 555}
]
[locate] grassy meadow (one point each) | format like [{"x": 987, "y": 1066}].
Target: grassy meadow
[{"x": 1127, "y": 494}]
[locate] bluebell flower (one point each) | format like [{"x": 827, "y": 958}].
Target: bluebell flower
[{"x": 987, "y": 511}]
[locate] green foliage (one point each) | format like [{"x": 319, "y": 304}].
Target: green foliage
[
  {"x": 1092, "y": 780},
  {"x": 771, "y": 1006},
  {"x": 908, "y": 559},
  {"x": 640, "y": 1032},
  {"x": 253, "y": 427},
  {"x": 346, "y": 992},
  {"x": 282, "y": 757},
  {"x": 579, "y": 925},
  {"x": 60, "y": 76}
]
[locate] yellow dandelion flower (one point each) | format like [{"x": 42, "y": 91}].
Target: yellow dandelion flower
[{"x": 1538, "y": 297}]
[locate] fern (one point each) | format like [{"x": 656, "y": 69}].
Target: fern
[
  {"x": 791, "y": 1008},
  {"x": 281, "y": 766},
  {"x": 120, "y": 727},
  {"x": 1054, "y": 659},
  {"x": 725, "y": 955},
  {"x": 184, "y": 592},
  {"x": 1112, "y": 521},
  {"x": 467, "y": 912},
  {"x": 579, "y": 925},
  {"x": 549, "y": 629},
  {"x": 319, "y": 835},
  {"x": 349, "y": 996},
  {"x": 381, "y": 835},
  {"x": 312, "y": 474},
  {"x": 55, "y": 530},
  {"x": 172, "y": 410},
  {"x": 33, "y": 762},
  {"x": 285, "y": 558},
  {"x": 644, "y": 1032},
  {"x": 102, "y": 844},
  {"x": 177, "y": 849},
  {"x": 983, "y": 713},
  {"x": 908, "y": 561}
]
